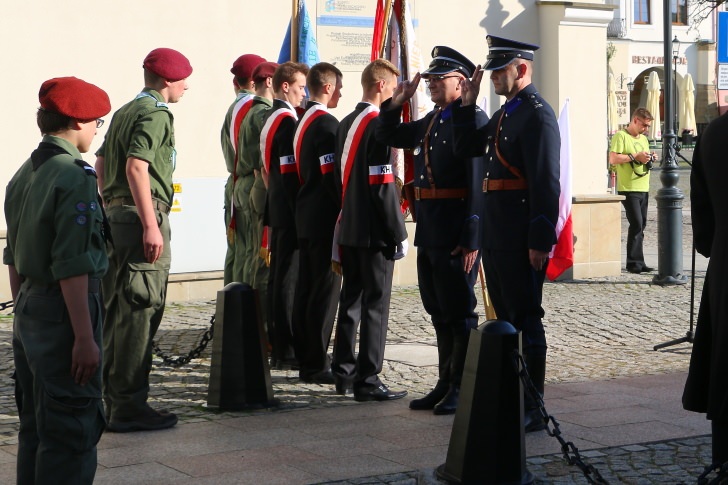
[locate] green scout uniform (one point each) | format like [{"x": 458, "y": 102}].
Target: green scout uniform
[
  {"x": 249, "y": 159},
  {"x": 135, "y": 290},
  {"x": 54, "y": 233},
  {"x": 228, "y": 151}
]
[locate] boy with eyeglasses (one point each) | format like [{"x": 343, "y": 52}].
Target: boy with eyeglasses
[{"x": 55, "y": 255}]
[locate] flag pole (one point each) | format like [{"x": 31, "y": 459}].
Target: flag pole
[
  {"x": 294, "y": 30},
  {"x": 387, "y": 16}
]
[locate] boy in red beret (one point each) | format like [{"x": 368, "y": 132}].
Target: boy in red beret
[
  {"x": 55, "y": 257},
  {"x": 135, "y": 165},
  {"x": 236, "y": 224}
]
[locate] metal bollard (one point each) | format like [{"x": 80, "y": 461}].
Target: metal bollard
[
  {"x": 239, "y": 371},
  {"x": 487, "y": 443}
]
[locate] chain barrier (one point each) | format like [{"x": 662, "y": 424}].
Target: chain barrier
[
  {"x": 721, "y": 474},
  {"x": 193, "y": 354},
  {"x": 568, "y": 449},
  {"x": 6, "y": 305}
]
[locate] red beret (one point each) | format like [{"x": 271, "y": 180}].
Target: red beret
[
  {"x": 74, "y": 98},
  {"x": 244, "y": 65},
  {"x": 168, "y": 63},
  {"x": 264, "y": 71}
]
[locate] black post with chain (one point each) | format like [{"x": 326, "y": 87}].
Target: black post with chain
[
  {"x": 568, "y": 449},
  {"x": 193, "y": 354},
  {"x": 721, "y": 474}
]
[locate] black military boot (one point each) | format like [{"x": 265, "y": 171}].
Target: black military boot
[
  {"x": 444, "y": 354},
  {"x": 449, "y": 403},
  {"x": 532, "y": 419}
]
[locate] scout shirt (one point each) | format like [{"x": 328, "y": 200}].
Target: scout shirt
[
  {"x": 142, "y": 128},
  {"x": 53, "y": 216},
  {"x": 631, "y": 177},
  {"x": 228, "y": 133},
  {"x": 249, "y": 137}
]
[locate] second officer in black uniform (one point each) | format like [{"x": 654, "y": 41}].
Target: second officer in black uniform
[
  {"x": 448, "y": 201},
  {"x": 521, "y": 195}
]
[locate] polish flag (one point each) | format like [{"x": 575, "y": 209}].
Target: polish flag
[{"x": 562, "y": 254}]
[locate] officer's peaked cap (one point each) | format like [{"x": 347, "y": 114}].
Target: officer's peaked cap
[
  {"x": 445, "y": 59},
  {"x": 503, "y": 51}
]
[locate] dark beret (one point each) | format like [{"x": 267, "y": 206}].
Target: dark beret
[
  {"x": 263, "y": 71},
  {"x": 74, "y": 98},
  {"x": 245, "y": 64},
  {"x": 168, "y": 63}
]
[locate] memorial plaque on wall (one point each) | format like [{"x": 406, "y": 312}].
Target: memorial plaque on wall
[{"x": 344, "y": 32}]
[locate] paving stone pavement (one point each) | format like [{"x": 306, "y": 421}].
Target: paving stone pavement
[{"x": 597, "y": 329}]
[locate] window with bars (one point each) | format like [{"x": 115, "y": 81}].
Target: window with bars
[{"x": 642, "y": 11}]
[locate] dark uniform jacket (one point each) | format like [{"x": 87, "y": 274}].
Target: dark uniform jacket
[
  {"x": 282, "y": 184},
  {"x": 529, "y": 141},
  {"x": 448, "y": 222},
  {"x": 371, "y": 217},
  {"x": 706, "y": 389},
  {"x": 318, "y": 202}
]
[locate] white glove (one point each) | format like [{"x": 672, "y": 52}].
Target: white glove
[{"x": 401, "y": 250}]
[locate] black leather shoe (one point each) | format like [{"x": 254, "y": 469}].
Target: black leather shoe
[
  {"x": 380, "y": 393},
  {"x": 429, "y": 400},
  {"x": 323, "y": 377},
  {"x": 449, "y": 403},
  {"x": 533, "y": 421},
  {"x": 344, "y": 388},
  {"x": 634, "y": 269},
  {"x": 647, "y": 269}
]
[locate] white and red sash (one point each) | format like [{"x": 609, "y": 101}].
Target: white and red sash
[
  {"x": 266, "y": 140},
  {"x": 241, "y": 108},
  {"x": 351, "y": 144},
  {"x": 308, "y": 118}
]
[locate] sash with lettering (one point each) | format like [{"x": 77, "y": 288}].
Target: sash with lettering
[
  {"x": 241, "y": 108},
  {"x": 288, "y": 164},
  {"x": 348, "y": 154},
  {"x": 326, "y": 161}
]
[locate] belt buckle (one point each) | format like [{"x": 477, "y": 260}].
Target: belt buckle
[
  {"x": 485, "y": 185},
  {"x": 417, "y": 193}
]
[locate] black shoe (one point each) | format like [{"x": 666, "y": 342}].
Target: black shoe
[
  {"x": 533, "y": 421},
  {"x": 647, "y": 269},
  {"x": 149, "y": 420},
  {"x": 449, "y": 403},
  {"x": 429, "y": 400},
  {"x": 287, "y": 363},
  {"x": 323, "y": 377},
  {"x": 344, "y": 388},
  {"x": 379, "y": 393},
  {"x": 634, "y": 269}
]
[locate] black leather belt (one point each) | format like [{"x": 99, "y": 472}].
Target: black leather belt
[{"x": 117, "y": 201}]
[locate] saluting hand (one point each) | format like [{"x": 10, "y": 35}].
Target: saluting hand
[
  {"x": 469, "y": 88},
  {"x": 405, "y": 90}
]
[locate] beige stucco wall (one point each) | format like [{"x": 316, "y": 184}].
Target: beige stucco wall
[{"x": 105, "y": 43}]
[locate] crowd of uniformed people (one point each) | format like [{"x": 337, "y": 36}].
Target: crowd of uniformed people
[{"x": 314, "y": 223}]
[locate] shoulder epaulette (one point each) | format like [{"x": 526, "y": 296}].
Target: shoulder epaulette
[
  {"x": 86, "y": 167},
  {"x": 535, "y": 101}
]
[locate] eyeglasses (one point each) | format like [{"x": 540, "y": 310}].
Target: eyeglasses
[
  {"x": 437, "y": 78},
  {"x": 99, "y": 123},
  {"x": 645, "y": 124}
]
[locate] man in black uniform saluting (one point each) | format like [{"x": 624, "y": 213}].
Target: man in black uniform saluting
[
  {"x": 521, "y": 195},
  {"x": 448, "y": 202}
]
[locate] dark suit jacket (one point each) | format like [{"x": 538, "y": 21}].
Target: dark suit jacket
[{"x": 371, "y": 216}]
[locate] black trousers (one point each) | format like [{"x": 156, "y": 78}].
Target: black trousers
[
  {"x": 635, "y": 208},
  {"x": 317, "y": 296},
  {"x": 282, "y": 288},
  {"x": 365, "y": 296},
  {"x": 516, "y": 290}
]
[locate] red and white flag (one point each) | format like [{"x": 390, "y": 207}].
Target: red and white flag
[{"x": 562, "y": 254}]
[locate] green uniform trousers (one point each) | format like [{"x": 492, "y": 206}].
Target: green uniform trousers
[
  {"x": 227, "y": 274},
  {"x": 259, "y": 267},
  {"x": 243, "y": 233},
  {"x": 134, "y": 295},
  {"x": 60, "y": 421}
]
